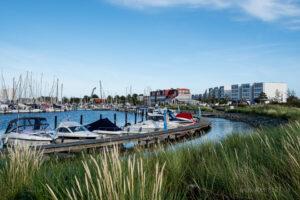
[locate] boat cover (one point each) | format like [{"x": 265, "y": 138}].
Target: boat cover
[
  {"x": 185, "y": 115},
  {"x": 102, "y": 124}
]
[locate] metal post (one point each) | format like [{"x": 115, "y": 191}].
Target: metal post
[
  {"x": 115, "y": 119},
  {"x": 165, "y": 121},
  {"x": 126, "y": 115},
  {"x": 146, "y": 114},
  {"x": 81, "y": 119},
  {"x": 55, "y": 122},
  {"x": 199, "y": 114},
  {"x": 100, "y": 116},
  {"x": 135, "y": 117}
]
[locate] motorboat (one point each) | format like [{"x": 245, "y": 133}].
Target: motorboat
[
  {"x": 105, "y": 128},
  {"x": 70, "y": 131},
  {"x": 30, "y": 131},
  {"x": 182, "y": 118},
  {"x": 155, "y": 122},
  {"x": 149, "y": 126}
]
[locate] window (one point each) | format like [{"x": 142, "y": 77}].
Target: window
[
  {"x": 78, "y": 129},
  {"x": 63, "y": 130}
]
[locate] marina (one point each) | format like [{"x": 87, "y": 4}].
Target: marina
[{"x": 211, "y": 128}]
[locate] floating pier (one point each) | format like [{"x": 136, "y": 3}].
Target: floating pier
[{"x": 143, "y": 140}]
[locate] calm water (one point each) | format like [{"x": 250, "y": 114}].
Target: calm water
[
  {"x": 221, "y": 128},
  {"x": 88, "y": 117}
]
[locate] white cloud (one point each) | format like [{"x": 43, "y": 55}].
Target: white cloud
[
  {"x": 266, "y": 10},
  {"x": 271, "y": 10}
]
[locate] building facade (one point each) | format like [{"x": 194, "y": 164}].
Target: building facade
[
  {"x": 248, "y": 92},
  {"x": 235, "y": 93},
  {"x": 225, "y": 92},
  {"x": 170, "y": 96}
]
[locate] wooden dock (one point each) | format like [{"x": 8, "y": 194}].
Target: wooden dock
[{"x": 140, "y": 139}]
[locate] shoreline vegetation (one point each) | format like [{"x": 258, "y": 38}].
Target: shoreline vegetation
[{"x": 262, "y": 165}]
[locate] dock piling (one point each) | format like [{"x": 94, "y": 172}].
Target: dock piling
[
  {"x": 146, "y": 114},
  {"x": 81, "y": 119},
  {"x": 115, "y": 119},
  {"x": 126, "y": 117},
  {"x": 55, "y": 122}
]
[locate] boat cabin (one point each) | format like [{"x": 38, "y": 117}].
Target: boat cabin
[{"x": 27, "y": 124}]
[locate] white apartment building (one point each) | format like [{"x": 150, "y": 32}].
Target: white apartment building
[
  {"x": 249, "y": 92},
  {"x": 235, "y": 93},
  {"x": 274, "y": 91},
  {"x": 225, "y": 92},
  {"x": 246, "y": 92},
  {"x": 216, "y": 93}
]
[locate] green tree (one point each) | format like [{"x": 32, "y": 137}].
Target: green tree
[
  {"x": 75, "y": 100},
  {"x": 65, "y": 100},
  {"x": 86, "y": 98},
  {"x": 262, "y": 98},
  {"x": 109, "y": 99},
  {"x": 122, "y": 99},
  {"x": 117, "y": 99},
  {"x": 135, "y": 100},
  {"x": 129, "y": 99},
  {"x": 94, "y": 96},
  {"x": 292, "y": 99}
]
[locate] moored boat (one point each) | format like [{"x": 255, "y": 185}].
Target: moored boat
[
  {"x": 72, "y": 131},
  {"x": 30, "y": 131}
]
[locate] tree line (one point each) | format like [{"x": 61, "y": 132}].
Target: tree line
[{"x": 117, "y": 99}]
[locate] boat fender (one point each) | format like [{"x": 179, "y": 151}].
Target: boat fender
[{"x": 4, "y": 141}]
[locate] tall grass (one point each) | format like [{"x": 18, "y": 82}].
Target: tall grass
[
  {"x": 108, "y": 177},
  {"x": 286, "y": 112},
  {"x": 261, "y": 165},
  {"x": 20, "y": 164}
]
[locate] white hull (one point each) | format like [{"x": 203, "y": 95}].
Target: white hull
[
  {"x": 107, "y": 134},
  {"x": 149, "y": 126},
  {"x": 68, "y": 140},
  {"x": 23, "y": 142}
]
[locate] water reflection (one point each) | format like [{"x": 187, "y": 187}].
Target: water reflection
[{"x": 220, "y": 128}]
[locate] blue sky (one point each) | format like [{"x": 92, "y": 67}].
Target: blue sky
[{"x": 151, "y": 43}]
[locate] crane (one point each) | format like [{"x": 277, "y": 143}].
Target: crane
[{"x": 93, "y": 92}]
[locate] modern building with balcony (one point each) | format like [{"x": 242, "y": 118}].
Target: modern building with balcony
[
  {"x": 235, "y": 93},
  {"x": 274, "y": 91},
  {"x": 216, "y": 93},
  {"x": 248, "y": 92},
  {"x": 225, "y": 92}
]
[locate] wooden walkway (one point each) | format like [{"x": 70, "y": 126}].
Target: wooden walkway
[{"x": 139, "y": 139}]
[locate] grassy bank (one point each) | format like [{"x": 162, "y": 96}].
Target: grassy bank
[
  {"x": 277, "y": 111},
  {"x": 263, "y": 165}
]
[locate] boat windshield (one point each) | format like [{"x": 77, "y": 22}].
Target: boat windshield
[
  {"x": 77, "y": 128},
  {"x": 27, "y": 125}
]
